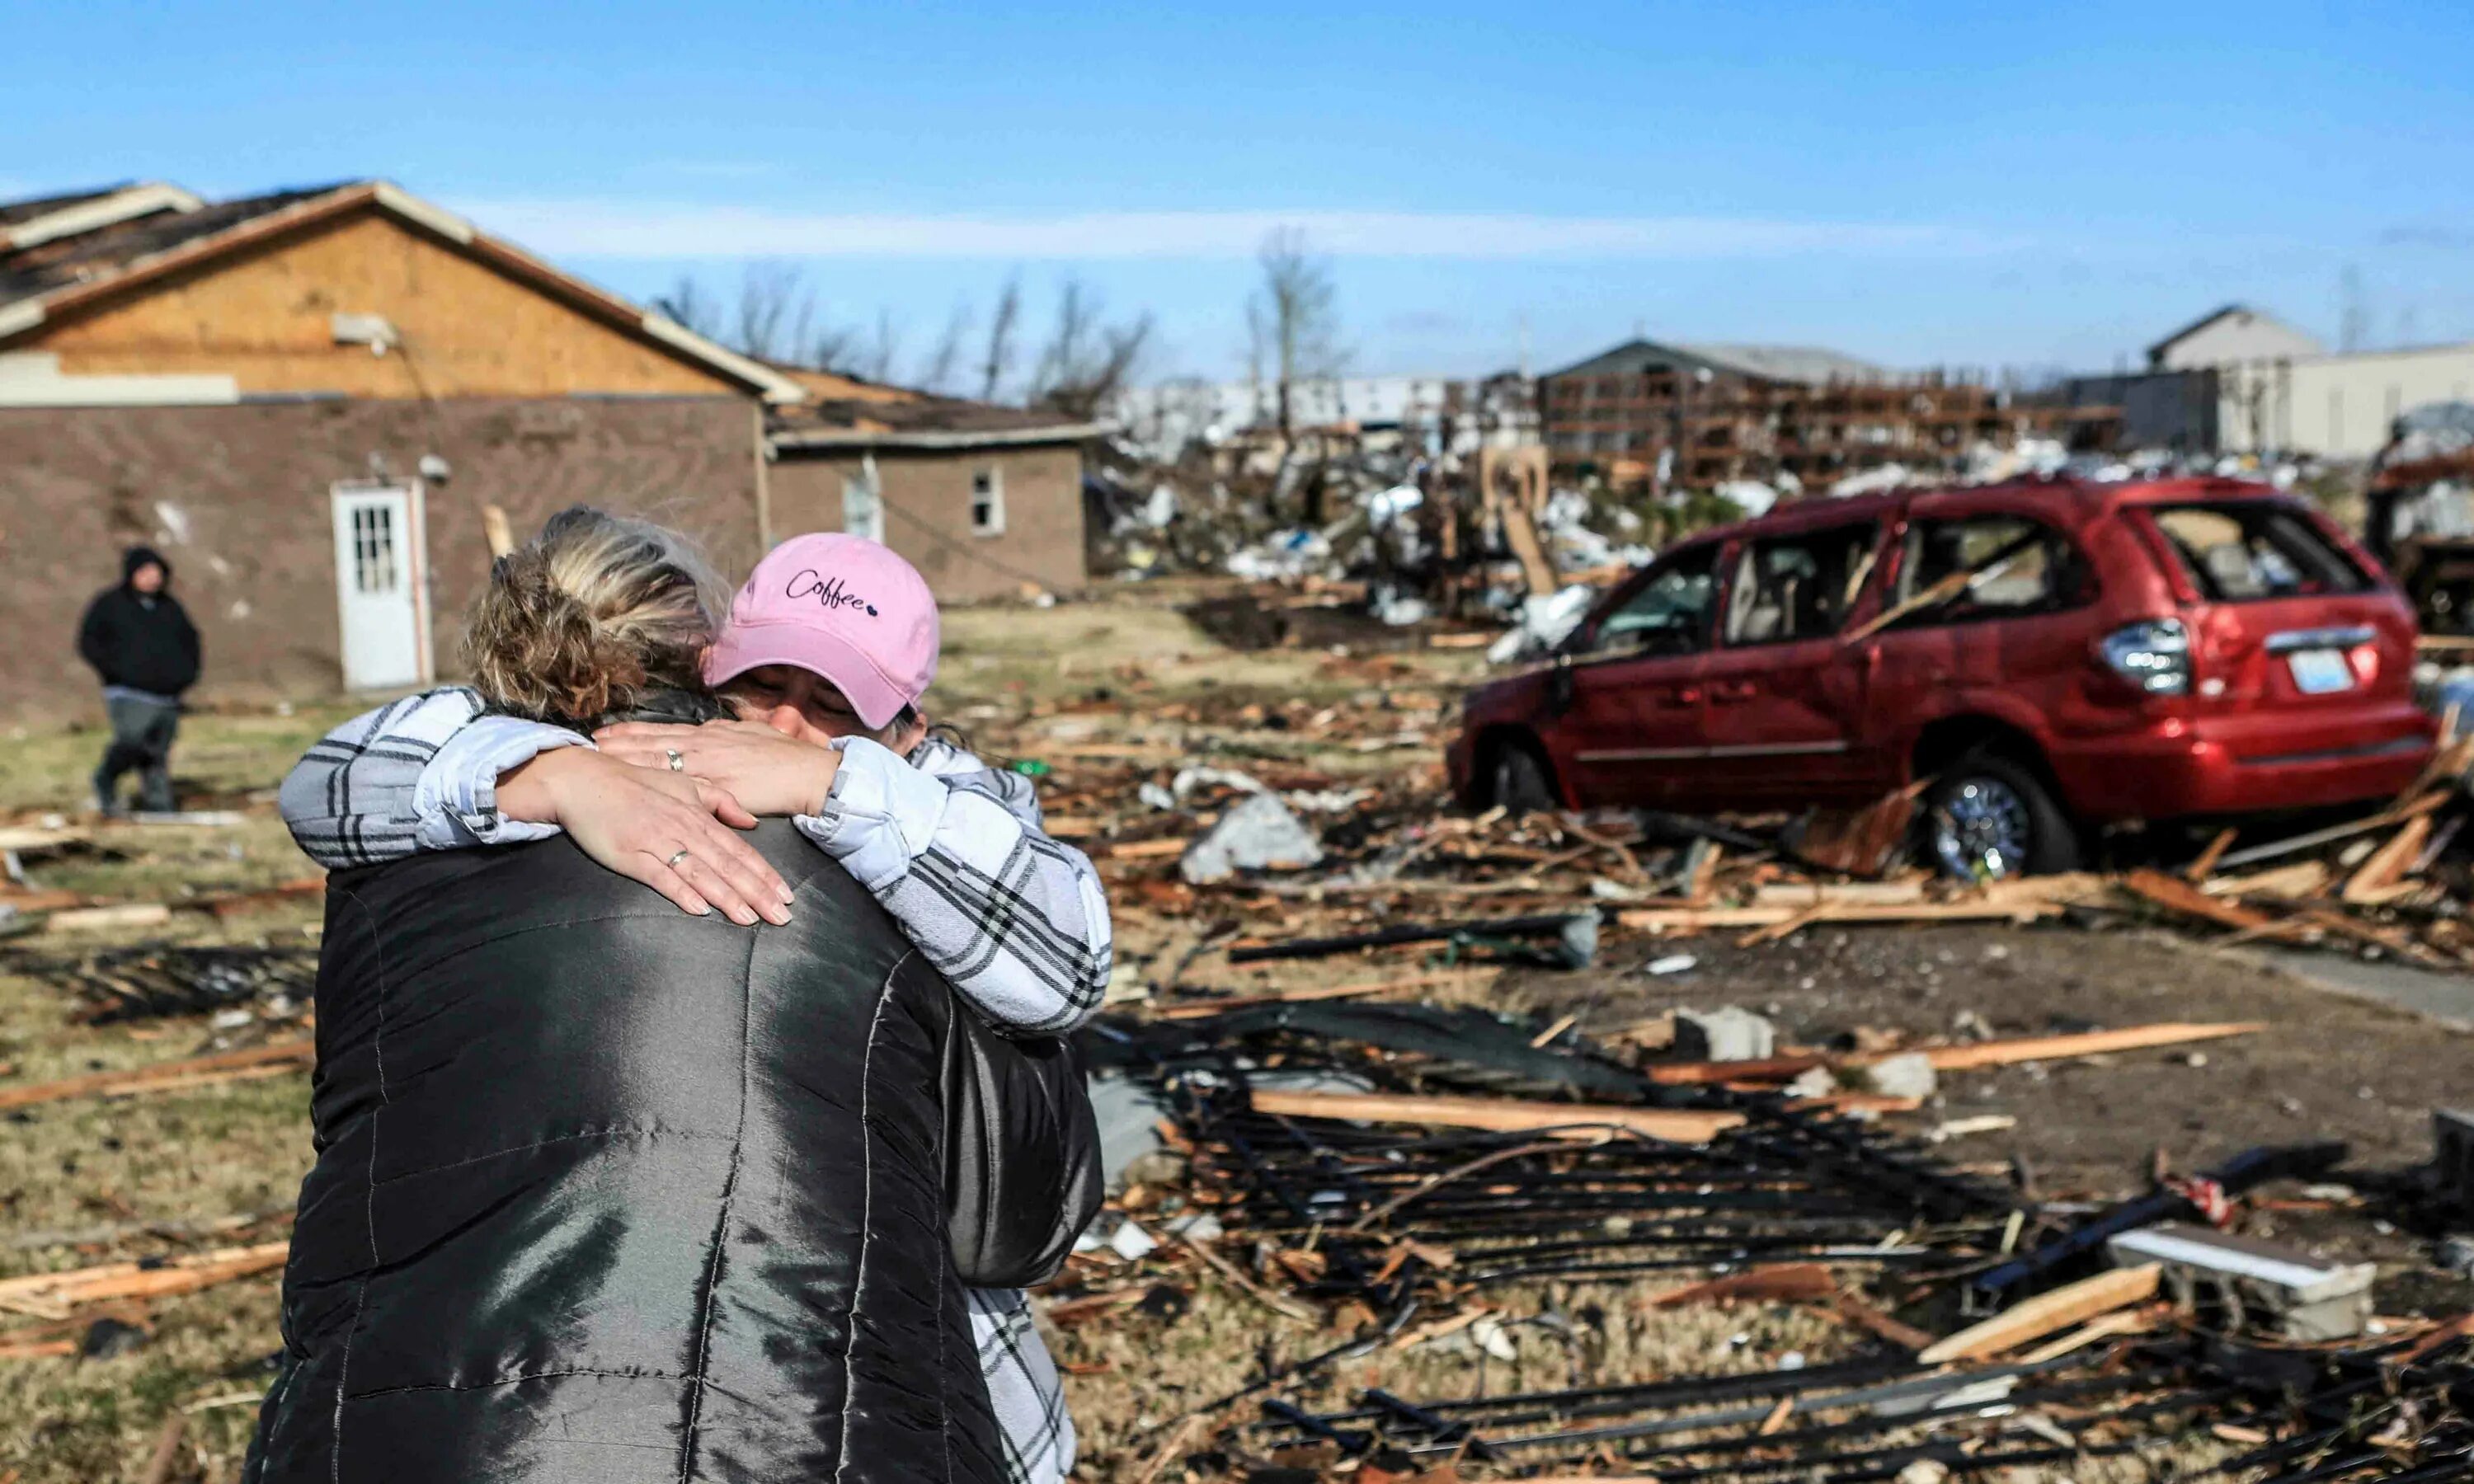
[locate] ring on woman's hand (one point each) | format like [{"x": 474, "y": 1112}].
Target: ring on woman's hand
[
  {"x": 678, "y": 759},
  {"x": 675, "y": 857}
]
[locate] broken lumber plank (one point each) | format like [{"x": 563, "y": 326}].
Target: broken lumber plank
[
  {"x": 2047, "y": 1313},
  {"x": 1816, "y": 894},
  {"x": 2388, "y": 865},
  {"x": 2285, "y": 883},
  {"x": 2176, "y": 895},
  {"x": 1780, "y": 1282},
  {"x": 140, "y": 1281},
  {"x": 2128, "y": 1321},
  {"x": 27, "y": 839},
  {"x": 2055, "y": 1049},
  {"x": 1142, "y": 849},
  {"x": 1981, "y": 909},
  {"x": 1775, "y": 1068},
  {"x": 1503, "y": 1116},
  {"x": 1201, "y": 1008},
  {"x": 1865, "y": 1316},
  {"x": 169, "y": 1076},
  {"x": 2423, "y": 803},
  {"x": 89, "y": 919},
  {"x": 2199, "y": 870},
  {"x": 1956, "y": 1059}
]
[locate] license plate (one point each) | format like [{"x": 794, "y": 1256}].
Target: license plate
[{"x": 2320, "y": 672}]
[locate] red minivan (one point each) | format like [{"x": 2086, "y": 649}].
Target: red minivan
[{"x": 2056, "y": 656}]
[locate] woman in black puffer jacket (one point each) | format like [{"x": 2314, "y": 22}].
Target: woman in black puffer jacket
[{"x": 609, "y": 1193}]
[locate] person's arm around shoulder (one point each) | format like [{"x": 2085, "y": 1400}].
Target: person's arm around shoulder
[
  {"x": 432, "y": 772},
  {"x": 955, "y": 850}
]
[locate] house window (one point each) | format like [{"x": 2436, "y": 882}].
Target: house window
[
  {"x": 988, "y": 502},
  {"x": 863, "y": 509}
]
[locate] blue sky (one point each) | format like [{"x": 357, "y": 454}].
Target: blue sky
[{"x": 1920, "y": 184}]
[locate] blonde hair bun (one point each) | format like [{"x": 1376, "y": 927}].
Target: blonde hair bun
[{"x": 581, "y": 621}]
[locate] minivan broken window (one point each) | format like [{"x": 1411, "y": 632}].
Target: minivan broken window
[
  {"x": 2252, "y": 551},
  {"x": 1799, "y": 586},
  {"x": 1670, "y": 614},
  {"x": 2012, "y": 566}
]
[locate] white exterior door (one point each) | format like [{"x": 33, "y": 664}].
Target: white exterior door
[{"x": 381, "y": 583}]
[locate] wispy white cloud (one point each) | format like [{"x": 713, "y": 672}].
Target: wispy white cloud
[{"x": 594, "y": 229}]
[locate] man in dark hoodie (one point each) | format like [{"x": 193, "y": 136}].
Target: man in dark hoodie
[{"x": 142, "y": 644}]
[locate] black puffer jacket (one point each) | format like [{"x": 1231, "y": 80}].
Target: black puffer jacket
[
  {"x": 607, "y": 1193},
  {"x": 145, "y": 644}
]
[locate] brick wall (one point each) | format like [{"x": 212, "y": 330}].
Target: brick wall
[
  {"x": 928, "y": 516},
  {"x": 237, "y": 498}
]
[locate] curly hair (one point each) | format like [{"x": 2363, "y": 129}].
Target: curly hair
[{"x": 587, "y": 619}]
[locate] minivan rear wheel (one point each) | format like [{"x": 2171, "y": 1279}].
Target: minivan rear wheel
[
  {"x": 1987, "y": 818},
  {"x": 1518, "y": 781}
]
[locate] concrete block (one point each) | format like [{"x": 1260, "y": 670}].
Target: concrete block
[
  {"x": 1730, "y": 1034},
  {"x": 1906, "y": 1075},
  {"x": 2254, "y": 1287}
]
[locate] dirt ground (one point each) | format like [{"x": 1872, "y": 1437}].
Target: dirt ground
[{"x": 90, "y": 1181}]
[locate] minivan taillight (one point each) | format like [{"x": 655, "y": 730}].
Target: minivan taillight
[{"x": 2153, "y": 654}]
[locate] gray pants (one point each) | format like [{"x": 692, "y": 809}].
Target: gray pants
[{"x": 141, "y": 742}]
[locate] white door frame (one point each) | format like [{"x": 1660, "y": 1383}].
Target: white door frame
[{"x": 414, "y": 554}]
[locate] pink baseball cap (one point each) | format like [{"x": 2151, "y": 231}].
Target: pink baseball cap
[{"x": 842, "y": 607}]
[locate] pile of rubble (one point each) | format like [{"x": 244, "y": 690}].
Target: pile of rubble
[{"x": 1415, "y": 1176}]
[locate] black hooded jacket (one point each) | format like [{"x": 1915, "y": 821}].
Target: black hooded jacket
[
  {"x": 144, "y": 643},
  {"x": 607, "y": 1193}
]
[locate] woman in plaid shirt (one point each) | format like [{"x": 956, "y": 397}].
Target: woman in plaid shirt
[{"x": 827, "y": 651}]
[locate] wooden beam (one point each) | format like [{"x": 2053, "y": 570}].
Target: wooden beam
[
  {"x": 169, "y": 1076},
  {"x": 2176, "y": 895},
  {"x": 2053, "y": 1048},
  {"x": 36, "y": 1292},
  {"x": 2047, "y": 1313},
  {"x": 1502, "y": 1116},
  {"x": 2390, "y": 863}
]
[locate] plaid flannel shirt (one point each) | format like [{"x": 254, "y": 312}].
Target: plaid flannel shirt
[{"x": 954, "y": 851}]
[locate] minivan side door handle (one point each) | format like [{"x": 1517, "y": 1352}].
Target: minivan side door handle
[{"x": 1727, "y": 692}]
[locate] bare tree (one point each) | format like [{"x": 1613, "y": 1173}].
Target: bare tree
[
  {"x": 1296, "y": 311},
  {"x": 946, "y": 358},
  {"x": 838, "y": 347},
  {"x": 876, "y": 362},
  {"x": 776, "y": 312},
  {"x": 1001, "y": 332},
  {"x": 690, "y": 307},
  {"x": 1086, "y": 362}
]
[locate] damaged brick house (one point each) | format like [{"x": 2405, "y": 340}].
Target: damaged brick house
[{"x": 309, "y": 398}]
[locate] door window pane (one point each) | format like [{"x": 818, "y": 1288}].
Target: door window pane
[
  {"x": 1799, "y": 586},
  {"x": 1670, "y": 614},
  {"x": 1991, "y": 567},
  {"x": 373, "y": 565}
]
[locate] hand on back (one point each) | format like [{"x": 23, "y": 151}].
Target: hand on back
[
  {"x": 673, "y": 831},
  {"x": 769, "y": 771}
]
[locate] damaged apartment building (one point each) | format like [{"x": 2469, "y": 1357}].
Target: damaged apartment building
[
  {"x": 1678, "y": 417},
  {"x": 311, "y": 399}
]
